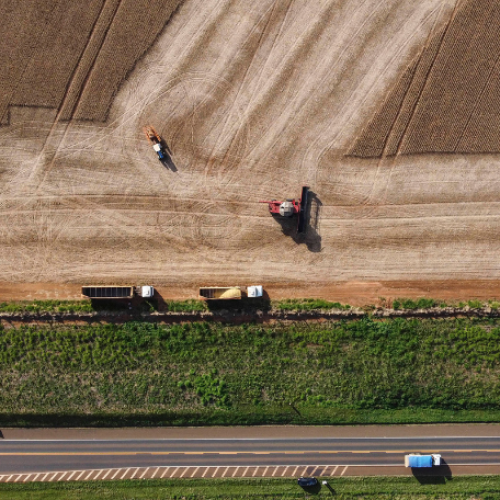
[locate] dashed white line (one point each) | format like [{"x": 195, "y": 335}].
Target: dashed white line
[
  {"x": 81, "y": 474},
  {"x": 107, "y": 474},
  {"x": 126, "y": 472},
  {"x": 99, "y": 472}
]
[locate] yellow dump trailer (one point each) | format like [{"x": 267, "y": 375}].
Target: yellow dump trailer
[{"x": 220, "y": 293}]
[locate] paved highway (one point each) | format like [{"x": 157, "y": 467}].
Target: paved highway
[{"x": 18, "y": 456}]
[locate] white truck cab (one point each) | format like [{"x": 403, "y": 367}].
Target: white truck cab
[
  {"x": 145, "y": 291},
  {"x": 255, "y": 291}
]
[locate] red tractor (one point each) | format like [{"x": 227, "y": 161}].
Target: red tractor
[{"x": 290, "y": 207}]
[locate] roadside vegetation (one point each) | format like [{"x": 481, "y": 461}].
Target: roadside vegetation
[
  {"x": 380, "y": 488},
  {"x": 139, "y": 373},
  {"x": 199, "y": 306}
]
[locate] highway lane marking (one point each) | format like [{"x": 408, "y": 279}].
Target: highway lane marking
[
  {"x": 164, "y": 472},
  {"x": 195, "y": 471},
  {"x": 343, "y": 472},
  {"x": 144, "y": 473},
  {"x": 235, "y": 470},
  {"x": 283, "y": 452}
]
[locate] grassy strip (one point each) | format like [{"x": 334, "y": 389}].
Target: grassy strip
[
  {"x": 194, "y": 306},
  {"x": 47, "y": 306},
  {"x": 308, "y": 305},
  {"x": 362, "y": 371},
  {"x": 401, "y": 488},
  {"x": 426, "y": 303},
  {"x": 269, "y": 416}
]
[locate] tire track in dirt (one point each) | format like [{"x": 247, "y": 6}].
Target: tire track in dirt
[
  {"x": 73, "y": 91},
  {"x": 314, "y": 170}
]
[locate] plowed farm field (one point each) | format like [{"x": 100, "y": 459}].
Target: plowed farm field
[{"x": 253, "y": 101}]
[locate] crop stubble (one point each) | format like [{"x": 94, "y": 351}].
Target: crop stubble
[
  {"x": 451, "y": 104},
  {"x": 253, "y": 103}
]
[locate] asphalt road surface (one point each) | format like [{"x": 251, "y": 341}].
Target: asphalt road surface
[{"x": 18, "y": 456}]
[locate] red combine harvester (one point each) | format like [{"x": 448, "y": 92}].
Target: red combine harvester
[{"x": 290, "y": 207}]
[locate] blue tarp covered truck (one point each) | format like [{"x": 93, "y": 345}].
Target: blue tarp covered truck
[{"x": 416, "y": 461}]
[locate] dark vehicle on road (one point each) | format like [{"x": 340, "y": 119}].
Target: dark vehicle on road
[{"x": 307, "y": 482}]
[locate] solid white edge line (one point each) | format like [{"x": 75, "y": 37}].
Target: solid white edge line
[{"x": 381, "y": 438}]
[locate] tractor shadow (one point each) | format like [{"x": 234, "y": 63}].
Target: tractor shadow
[
  {"x": 168, "y": 162},
  {"x": 310, "y": 237},
  {"x": 434, "y": 475}
]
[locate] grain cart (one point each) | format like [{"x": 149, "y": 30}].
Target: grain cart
[{"x": 155, "y": 140}]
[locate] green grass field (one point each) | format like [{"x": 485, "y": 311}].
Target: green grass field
[
  {"x": 466, "y": 488},
  {"x": 198, "y": 373}
]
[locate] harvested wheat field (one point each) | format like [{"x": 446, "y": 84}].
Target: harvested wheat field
[{"x": 354, "y": 98}]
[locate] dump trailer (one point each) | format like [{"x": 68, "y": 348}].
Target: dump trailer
[
  {"x": 416, "y": 461},
  {"x": 116, "y": 291},
  {"x": 220, "y": 293},
  {"x": 291, "y": 207}
]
